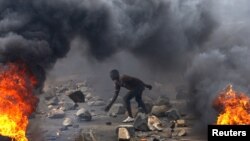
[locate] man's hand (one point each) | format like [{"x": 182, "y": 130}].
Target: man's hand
[
  {"x": 149, "y": 87},
  {"x": 107, "y": 108}
]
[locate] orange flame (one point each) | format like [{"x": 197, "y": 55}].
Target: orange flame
[
  {"x": 17, "y": 101},
  {"x": 234, "y": 107}
]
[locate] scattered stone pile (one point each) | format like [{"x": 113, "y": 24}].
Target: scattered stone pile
[
  {"x": 164, "y": 122},
  {"x": 74, "y": 105}
]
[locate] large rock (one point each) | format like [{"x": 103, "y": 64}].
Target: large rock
[
  {"x": 117, "y": 109},
  {"x": 173, "y": 114},
  {"x": 83, "y": 115},
  {"x": 162, "y": 100},
  {"x": 77, "y": 96},
  {"x": 159, "y": 111},
  {"x": 67, "y": 122},
  {"x": 56, "y": 113},
  {"x": 141, "y": 122}
]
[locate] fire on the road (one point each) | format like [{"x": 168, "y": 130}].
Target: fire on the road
[
  {"x": 17, "y": 101},
  {"x": 234, "y": 107}
]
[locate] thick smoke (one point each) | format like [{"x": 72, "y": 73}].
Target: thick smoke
[
  {"x": 163, "y": 33},
  {"x": 224, "y": 59}
]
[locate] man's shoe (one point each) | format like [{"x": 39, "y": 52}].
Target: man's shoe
[{"x": 128, "y": 119}]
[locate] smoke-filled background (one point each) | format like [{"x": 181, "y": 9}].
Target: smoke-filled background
[{"x": 197, "y": 43}]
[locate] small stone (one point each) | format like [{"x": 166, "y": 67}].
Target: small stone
[
  {"x": 89, "y": 96},
  {"x": 112, "y": 114},
  {"x": 166, "y": 133},
  {"x": 182, "y": 132},
  {"x": 108, "y": 123},
  {"x": 123, "y": 134},
  {"x": 53, "y": 101},
  {"x": 50, "y": 107},
  {"x": 56, "y": 113},
  {"x": 83, "y": 115},
  {"x": 68, "y": 106},
  {"x": 181, "y": 123},
  {"x": 67, "y": 122},
  {"x": 96, "y": 103}
]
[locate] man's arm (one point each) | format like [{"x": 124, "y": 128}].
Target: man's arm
[
  {"x": 117, "y": 90},
  {"x": 147, "y": 86}
]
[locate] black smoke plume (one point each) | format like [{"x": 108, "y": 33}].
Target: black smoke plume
[{"x": 163, "y": 33}]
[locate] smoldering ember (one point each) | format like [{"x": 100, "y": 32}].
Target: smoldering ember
[{"x": 146, "y": 70}]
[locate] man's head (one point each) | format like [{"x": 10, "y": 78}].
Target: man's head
[{"x": 114, "y": 74}]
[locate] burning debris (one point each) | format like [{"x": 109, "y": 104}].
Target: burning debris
[
  {"x": 17, "y": 100},
  {"x": 233, "y": 107}
]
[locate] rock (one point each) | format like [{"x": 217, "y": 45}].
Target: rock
[
  {"x": 86, "y": 136},
  {"x": 96, "y": 103},
  {"x": 156, "y": 137},
  {"x": 68, "y": 106},
  {"x": 112, "y": 114},
  {"x": 162, "y": 100},
  {"x": 81, "y": 84},
  {"x": 50, "y": 107},
  {"x": 117, "y": 109},
  {"x": 53, "y": 101},
  {"x": 181, "y": 123},
  {"x": 56, "y": 113},
  {"x": 159, "y": 111},
  {"x": 108, "y": 123},
  {"x": 173, "y": 114},
  {"x": 182, "y": 132},
  {"x": 83, "y": 88},
  {"x": 83, "y": 115},
  {"x": 77, "y": 96},
  {"x": 62, "y": 90},
  {"x": 166, "y": 133},
  {"x": 125, "y": 132},
  {"x": 88, "y": 96},
  {"x": 141, "y": 122},
  {"x": 97, "y": 98},
  {"x": 67, "y": 122},
  {"x": 154, "y": 124},
  {"x": 49, "y": 95}
]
